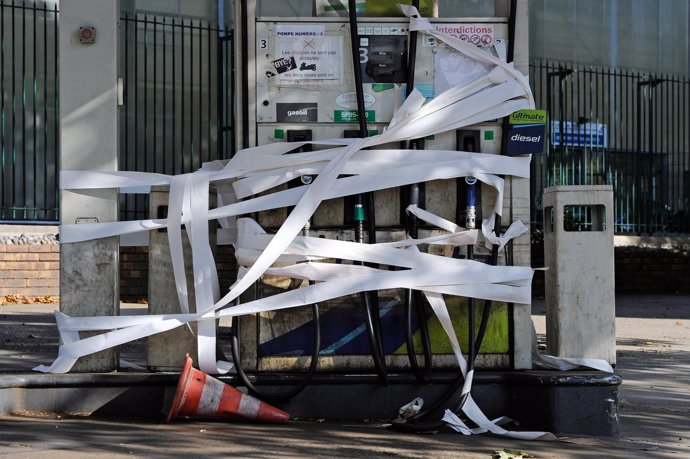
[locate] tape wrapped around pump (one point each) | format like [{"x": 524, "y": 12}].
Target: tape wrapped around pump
[{"x": 343, "y": 165}]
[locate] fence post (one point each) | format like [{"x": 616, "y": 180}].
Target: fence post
[{"x": 89, "y": 278}]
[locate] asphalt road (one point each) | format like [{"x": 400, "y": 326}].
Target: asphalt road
[{"x": 653, "y": 339}]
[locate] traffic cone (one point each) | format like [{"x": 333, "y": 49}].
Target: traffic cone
[{"x": 199, "y": 394}]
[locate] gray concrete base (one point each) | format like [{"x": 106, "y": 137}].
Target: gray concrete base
[{"x": 573, "y": 403}]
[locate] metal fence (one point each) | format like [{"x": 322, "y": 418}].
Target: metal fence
[
  {"x": 622, "y": 128},
  {"x": 28, "y": 112},
  {"x": 178, "y": 78},
  {"x": 608, "y": 126}
]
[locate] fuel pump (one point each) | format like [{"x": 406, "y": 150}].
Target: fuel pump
[{"x": 299, "y": 80}]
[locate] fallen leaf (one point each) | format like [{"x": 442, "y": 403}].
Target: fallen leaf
[
  {"x": 510, "y": 454},
  {"x": 23, "y": 299},
  {"x": 47, "y": 299}
]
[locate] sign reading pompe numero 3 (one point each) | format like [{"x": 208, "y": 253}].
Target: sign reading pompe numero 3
[
  {"x": 296, "y": 112},
  {"x": 526, "y": 132}
]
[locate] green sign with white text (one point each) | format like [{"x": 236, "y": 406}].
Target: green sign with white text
[{"x": 352, "y": 116}]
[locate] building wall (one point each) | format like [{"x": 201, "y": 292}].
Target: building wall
[
  {"x": 134, "y": 271},
  {"x": 643, "y": 265},
  {"x": 198, "y": 9},
  {"x": 33, "y": 270},
  {"x": 646, "y": 35},
  {"x": 29, "y": 270},
  {"x": 644, "y": 268}
]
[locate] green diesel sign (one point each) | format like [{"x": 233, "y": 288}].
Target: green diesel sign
[{"x": 351, "y": 116}]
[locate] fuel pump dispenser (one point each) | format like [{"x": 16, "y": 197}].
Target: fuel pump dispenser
[
  {"x": 300, "y": 86},
  {"x": 314, "y": 340}
]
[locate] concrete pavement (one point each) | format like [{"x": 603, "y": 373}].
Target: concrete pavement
[
  {"x": 653, "y": 339},
  {"x": 22, "y": 437}
]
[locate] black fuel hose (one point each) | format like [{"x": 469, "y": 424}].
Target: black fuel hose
[
  {"x": 371, "y": 312},
  {"x": 415, "y": 423},
  {"x": 313, "y": 363},
  {"x": 271, "y": 396},
  {"x": 413, "y": 303},
  {"x": 371, "y": 325}
]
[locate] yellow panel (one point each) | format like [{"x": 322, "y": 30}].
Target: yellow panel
[{"x": 496, "y": 339}]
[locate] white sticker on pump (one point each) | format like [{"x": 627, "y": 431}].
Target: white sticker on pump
[
  {"x": 300, "y": 30},
  {"x": 349, "y": 100},
  {"x": 477, "y": 34},
  {"x": 314, "y": 55}
]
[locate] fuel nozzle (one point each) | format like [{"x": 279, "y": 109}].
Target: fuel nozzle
[
  {"x": 471, "y": 212},
  {"x": 359, "y": 222}
]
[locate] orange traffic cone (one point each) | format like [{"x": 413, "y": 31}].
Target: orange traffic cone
[{"x": 199, "y": 394}]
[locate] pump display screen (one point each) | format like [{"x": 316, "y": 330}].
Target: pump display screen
[{"x": 383, "y": 58}]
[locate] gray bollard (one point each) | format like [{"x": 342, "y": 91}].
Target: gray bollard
[
  {"x": 580, "y": 283},
  {"x": 166, "y": 350}
]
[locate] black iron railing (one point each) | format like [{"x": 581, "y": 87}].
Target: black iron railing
[
  {"x": 28, "y": 112},
  {"x": 622, "y": 128},
  {"x": 178, "y": 78},
  {"x": 607, "y": 126}
]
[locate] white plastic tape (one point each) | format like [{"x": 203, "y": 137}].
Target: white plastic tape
[
  {"x": 258, "y": 170},
  {"x": 419, "y": 23},
  {"x": 517, "y": 228},
  {"x": 552, "y": 362}
]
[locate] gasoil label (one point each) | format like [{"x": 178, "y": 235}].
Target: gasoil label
[{"x": 296, "y": 112}]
